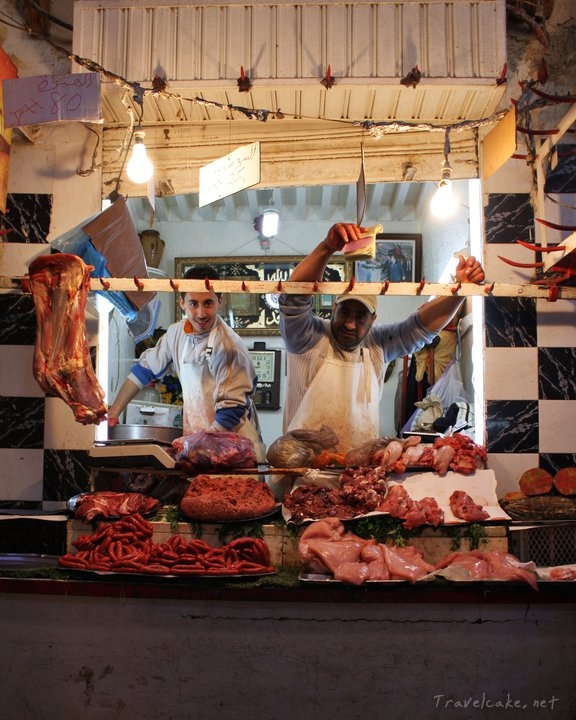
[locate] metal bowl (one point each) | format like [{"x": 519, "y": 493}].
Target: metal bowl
[{"x": 156, "y": 434}]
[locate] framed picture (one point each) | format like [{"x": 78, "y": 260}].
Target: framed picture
[
  {"x": 258, "y": 314},
  {"x": 398, "y": 258}
]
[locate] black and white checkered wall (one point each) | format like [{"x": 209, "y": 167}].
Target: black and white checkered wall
[
  {"x": 43, "y": 451},
  {"x": 529, "y": 374},
  {"x": 530, "y": 356}
]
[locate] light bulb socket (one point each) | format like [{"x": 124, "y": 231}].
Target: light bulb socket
[{"x": 446, "y": 175}]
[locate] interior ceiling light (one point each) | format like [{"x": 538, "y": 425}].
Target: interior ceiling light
[
  {"x": 267, "y": 223},
  {"x": 139, "y": 168}
]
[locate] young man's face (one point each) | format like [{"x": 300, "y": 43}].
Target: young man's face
[
  {"x": 350, "y": 323},
  {"x": 201, "y": 309}
]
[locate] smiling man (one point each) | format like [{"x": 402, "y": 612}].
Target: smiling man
[
  {"x": 212, "y": 363},
  {"x": 336, "y": 367}
]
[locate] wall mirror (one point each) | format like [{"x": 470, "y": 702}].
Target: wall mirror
[{"x": 225, "y": 230}]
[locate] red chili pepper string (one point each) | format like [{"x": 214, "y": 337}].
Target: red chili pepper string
[
  {"x": 208, "y": 285},
  {"x": 553, "y": 291},
  {"x": 139, "y": 284},
  {"x": 244, "y": 286},
  {"x": 384, "y": 288},
  {"x": 489, "y": 288},
  {"x": 420, "y": 286},
  {"x": 521, "y": 265},
  {"x": 539, "y": 248},
  {"x": 527, "y": 131},
  {"x": 105, "y": 284},
  {"x": 552, "y": 225},
  {"x": 552, "y": 98},
  {"x": 351, "y": 284},
  {"x": 315, "y": 286},
  {"x": 455, "y": 289},
  {"x": 173, "y": 285},
  {"x": 279, "y": 286}
]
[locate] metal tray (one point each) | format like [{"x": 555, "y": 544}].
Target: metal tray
[
  {"x": 157, "y": 434},
  {"x": 23, "y": 561}
]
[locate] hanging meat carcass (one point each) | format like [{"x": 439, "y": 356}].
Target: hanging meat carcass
[{"x": 62, "y": 363}]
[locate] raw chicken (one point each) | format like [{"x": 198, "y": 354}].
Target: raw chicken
[
  {"x": 489, "y": 565},
  {"x": 325, "y": 546},
  {"x": 406, "y": 563}
]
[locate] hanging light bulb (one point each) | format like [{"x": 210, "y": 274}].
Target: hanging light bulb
[
  {"x": 139, "y": 168},
  {"x": 267, "y": 224},
  {"x": 443, "y": 203},
  {"x": 270, "y": 222}
]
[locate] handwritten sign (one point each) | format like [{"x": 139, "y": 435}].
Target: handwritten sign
[
  {"x": 48, "y": 98},
  {"x": 236, "y": 171}
]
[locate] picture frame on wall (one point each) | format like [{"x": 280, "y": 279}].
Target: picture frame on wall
[
  {"x": 398, "y": 258},
  {"x": 259, "y": 314}
]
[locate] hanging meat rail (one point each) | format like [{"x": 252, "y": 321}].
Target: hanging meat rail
[{"x": 528, "y": 290}]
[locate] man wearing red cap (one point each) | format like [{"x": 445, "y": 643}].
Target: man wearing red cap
[{"x": 336, "y": 367}]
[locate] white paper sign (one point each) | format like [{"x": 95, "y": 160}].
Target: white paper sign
[
  {"x": 48, "y": 98},
  {"x": 236, "y": 171}
]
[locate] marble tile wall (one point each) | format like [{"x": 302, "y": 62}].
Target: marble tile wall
[
  {"x": 41, "y": 468},
  {"x": 530, "y": 357}
]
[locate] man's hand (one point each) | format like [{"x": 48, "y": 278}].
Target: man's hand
[
  {"x": 112, "y": 421},
  {"x": 342, "y": 233},
  {"x": 469, "y": 270}
]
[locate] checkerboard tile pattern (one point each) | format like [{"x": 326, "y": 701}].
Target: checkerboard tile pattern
[
  {"x": 43, "y": 454},
  {"x": 530, "y": 357}
]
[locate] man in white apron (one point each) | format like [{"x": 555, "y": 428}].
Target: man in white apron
[
  {"x": 212, "y": 363},
  {"x": 336, "y": 367}
]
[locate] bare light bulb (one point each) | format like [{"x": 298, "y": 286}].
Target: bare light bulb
[
  {"x": 443, "y": 203},
  {"x": 270, "y": 222},
  {"x": 139, "y": 168}
]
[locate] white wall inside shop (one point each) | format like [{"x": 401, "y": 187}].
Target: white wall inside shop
[{"x": 440, "y": 240}]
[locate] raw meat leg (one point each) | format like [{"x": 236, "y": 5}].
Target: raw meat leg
[{"x": 62, "y": 363}]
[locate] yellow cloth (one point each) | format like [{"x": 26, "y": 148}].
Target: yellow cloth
[{"x": 441, "y": 354}]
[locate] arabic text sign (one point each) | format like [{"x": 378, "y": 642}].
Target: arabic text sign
[
  {"x": 48, "y": 98},
  {"x": 236, "y": 171}
]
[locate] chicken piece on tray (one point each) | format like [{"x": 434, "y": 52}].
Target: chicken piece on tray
[{"x": 326, "y": 547}]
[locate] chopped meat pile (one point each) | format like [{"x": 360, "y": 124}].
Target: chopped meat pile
[
  {"x": 465, "y": 508},
  {"x": 413, "y": 513},
  {"x": 113, "y": 505},
  {"x": 62, "y": 364},
  {"x": 488, "y": 565},
  {"x": 325, "y": 547},
  {"x": 214, "y": 497},
  {"x": 360, "y": 491}
]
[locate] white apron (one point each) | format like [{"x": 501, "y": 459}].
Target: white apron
[
  {"x": 198, "y": 386},
  {"x": 344, "y": 396}
]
